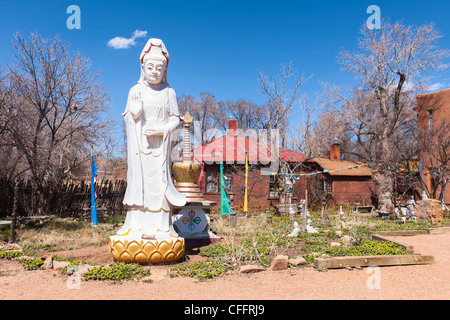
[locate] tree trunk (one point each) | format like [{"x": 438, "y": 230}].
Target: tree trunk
[
  {"x": 385, "y": 178},
  {"x": 13, "y": 234}
]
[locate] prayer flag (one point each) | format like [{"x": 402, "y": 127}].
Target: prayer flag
[
  {"x": 246, "y": 186},
  {"x": 224, "y": 201},
  {"x": 200, "y": 178},
  {"x": 93, "y": 201}
]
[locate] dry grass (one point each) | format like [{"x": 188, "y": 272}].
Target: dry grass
[{"x": 61, "y": 234}]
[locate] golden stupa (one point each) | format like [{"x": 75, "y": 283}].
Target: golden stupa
[{"x": 186, "y": 173}]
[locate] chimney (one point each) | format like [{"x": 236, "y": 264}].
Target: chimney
[
  {"x": 335, "y": 151},
  {"x": 232, "y": 127}
]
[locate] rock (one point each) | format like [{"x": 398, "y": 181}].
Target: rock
[
  {"x": 335, "y": 244},
  {"x": 430, "y": 209},
  {"x": 251, "y": 268},
  {"x": 297, "y": 261},
  {"x": 83, "y": 268},
  {"x": 58, "y": 265},
  {"x": 339, "y": 233},
  {"x": 12, "y": 247},
  {"x": 279, "y": 263},
  {"x": 346, "y": 239},
  {"x": 48, "y": 263},
  {"x": 27, "y": 257}
]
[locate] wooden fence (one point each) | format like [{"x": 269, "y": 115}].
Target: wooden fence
[{"x": 67, "y": 200}]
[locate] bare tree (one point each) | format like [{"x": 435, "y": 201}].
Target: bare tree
[
  {"x": 282, "y": 92},
  {"x": 206, "y": 111},
  {"x": 301, "y": 135},
  {"x": 388, "y": 65},
  {"x": 57, "y": 110},
  {"x": 246, "y": 113},
  {"x": 434, "y": 147}
]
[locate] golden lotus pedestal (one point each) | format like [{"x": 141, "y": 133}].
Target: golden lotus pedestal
[{"x": 146, "y": 251}]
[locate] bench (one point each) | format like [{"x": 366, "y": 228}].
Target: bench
[
  {"x": 24, "y": 219},
  {"x": 102, "y": 213}
]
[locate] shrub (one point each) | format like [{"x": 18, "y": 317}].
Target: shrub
[
  {"x": 201, "y": 270},
  {"x": 32, "y": 263},
  {"x": 367, "y": 248},
  {"x": 116, "y": 272},
  {"x": 10, "y": 254}
]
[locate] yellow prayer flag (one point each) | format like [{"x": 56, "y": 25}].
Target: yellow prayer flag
[{"x": 246, "y": 187}]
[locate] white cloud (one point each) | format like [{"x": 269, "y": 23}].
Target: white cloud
[
  {"x": 436, "y": 86},
  {"x": 121, "y": 43},
  {"x": 125, "y": 43},
  {"x": 139, "y": 34}
]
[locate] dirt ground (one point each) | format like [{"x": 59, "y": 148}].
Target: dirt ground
[{"x": 421, "y": 282}]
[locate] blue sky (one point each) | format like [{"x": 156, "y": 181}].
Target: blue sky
[{"x": 216, "y": 46}]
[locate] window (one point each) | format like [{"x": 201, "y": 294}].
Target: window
[
  {"x": 213, "y": 179},
  {"x": 328, "y": 186},
  {"x": 273, "y": 194},
  {"x": 324, "y": 186},
  {"x": 430, "y": 120}
]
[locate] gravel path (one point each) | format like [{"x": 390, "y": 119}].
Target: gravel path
[{"x": 406, "y": 282}]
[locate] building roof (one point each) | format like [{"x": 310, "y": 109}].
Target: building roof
[
  {"x": 346, "y": 168},
  {"x": 232, "y": 149}
]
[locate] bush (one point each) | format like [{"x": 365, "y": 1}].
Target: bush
[
  {"x": 32, "y": 263},
  {"x": 367, "y": 248},
  {"x": 201, "y": 270},
  {"x": 116, "y": 272}
]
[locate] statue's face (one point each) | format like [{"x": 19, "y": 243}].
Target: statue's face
[{"x": 154, "y": 71}]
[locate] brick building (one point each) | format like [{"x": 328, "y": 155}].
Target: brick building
[
  {"x": 345, "y": 182},
  {"x": 433, "y": 114},
  {"x": 324, "y": 175},
  {"x": 231, "y": 149}
]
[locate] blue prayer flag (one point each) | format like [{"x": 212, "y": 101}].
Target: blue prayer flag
[{"x": 93, "y": 201}]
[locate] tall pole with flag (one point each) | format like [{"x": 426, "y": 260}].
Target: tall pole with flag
[
  {"x": 93, "y": 201},
  {"x": 246, "y": 186},
  {"x": 224, "y": 201}
]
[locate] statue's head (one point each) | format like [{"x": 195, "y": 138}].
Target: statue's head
[{"x": 154, "y": 61}]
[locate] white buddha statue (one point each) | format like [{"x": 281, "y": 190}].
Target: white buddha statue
[{"x": 150, "y": 117}]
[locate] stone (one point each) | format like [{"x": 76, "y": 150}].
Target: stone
[
  {"x": 430, "y": 209},
  {"x": 343, "y": 225},
  {"x": 58, "y": 265},
  {"x": 339, "y": 233},
  {"x": 251, "y": 268},
  {"x": 48, "y": 263},
  {"x": 83, "y": 268},
  {"x": 335, "y": 244},
  {"x": 346, "y": 239},
  {"x": 297, "y": 261},
  {"x": 279, "y": 263},
  {"x": 12, "y": 247}
]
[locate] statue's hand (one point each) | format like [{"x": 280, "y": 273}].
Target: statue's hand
[{"x": 153, "y": 132}]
